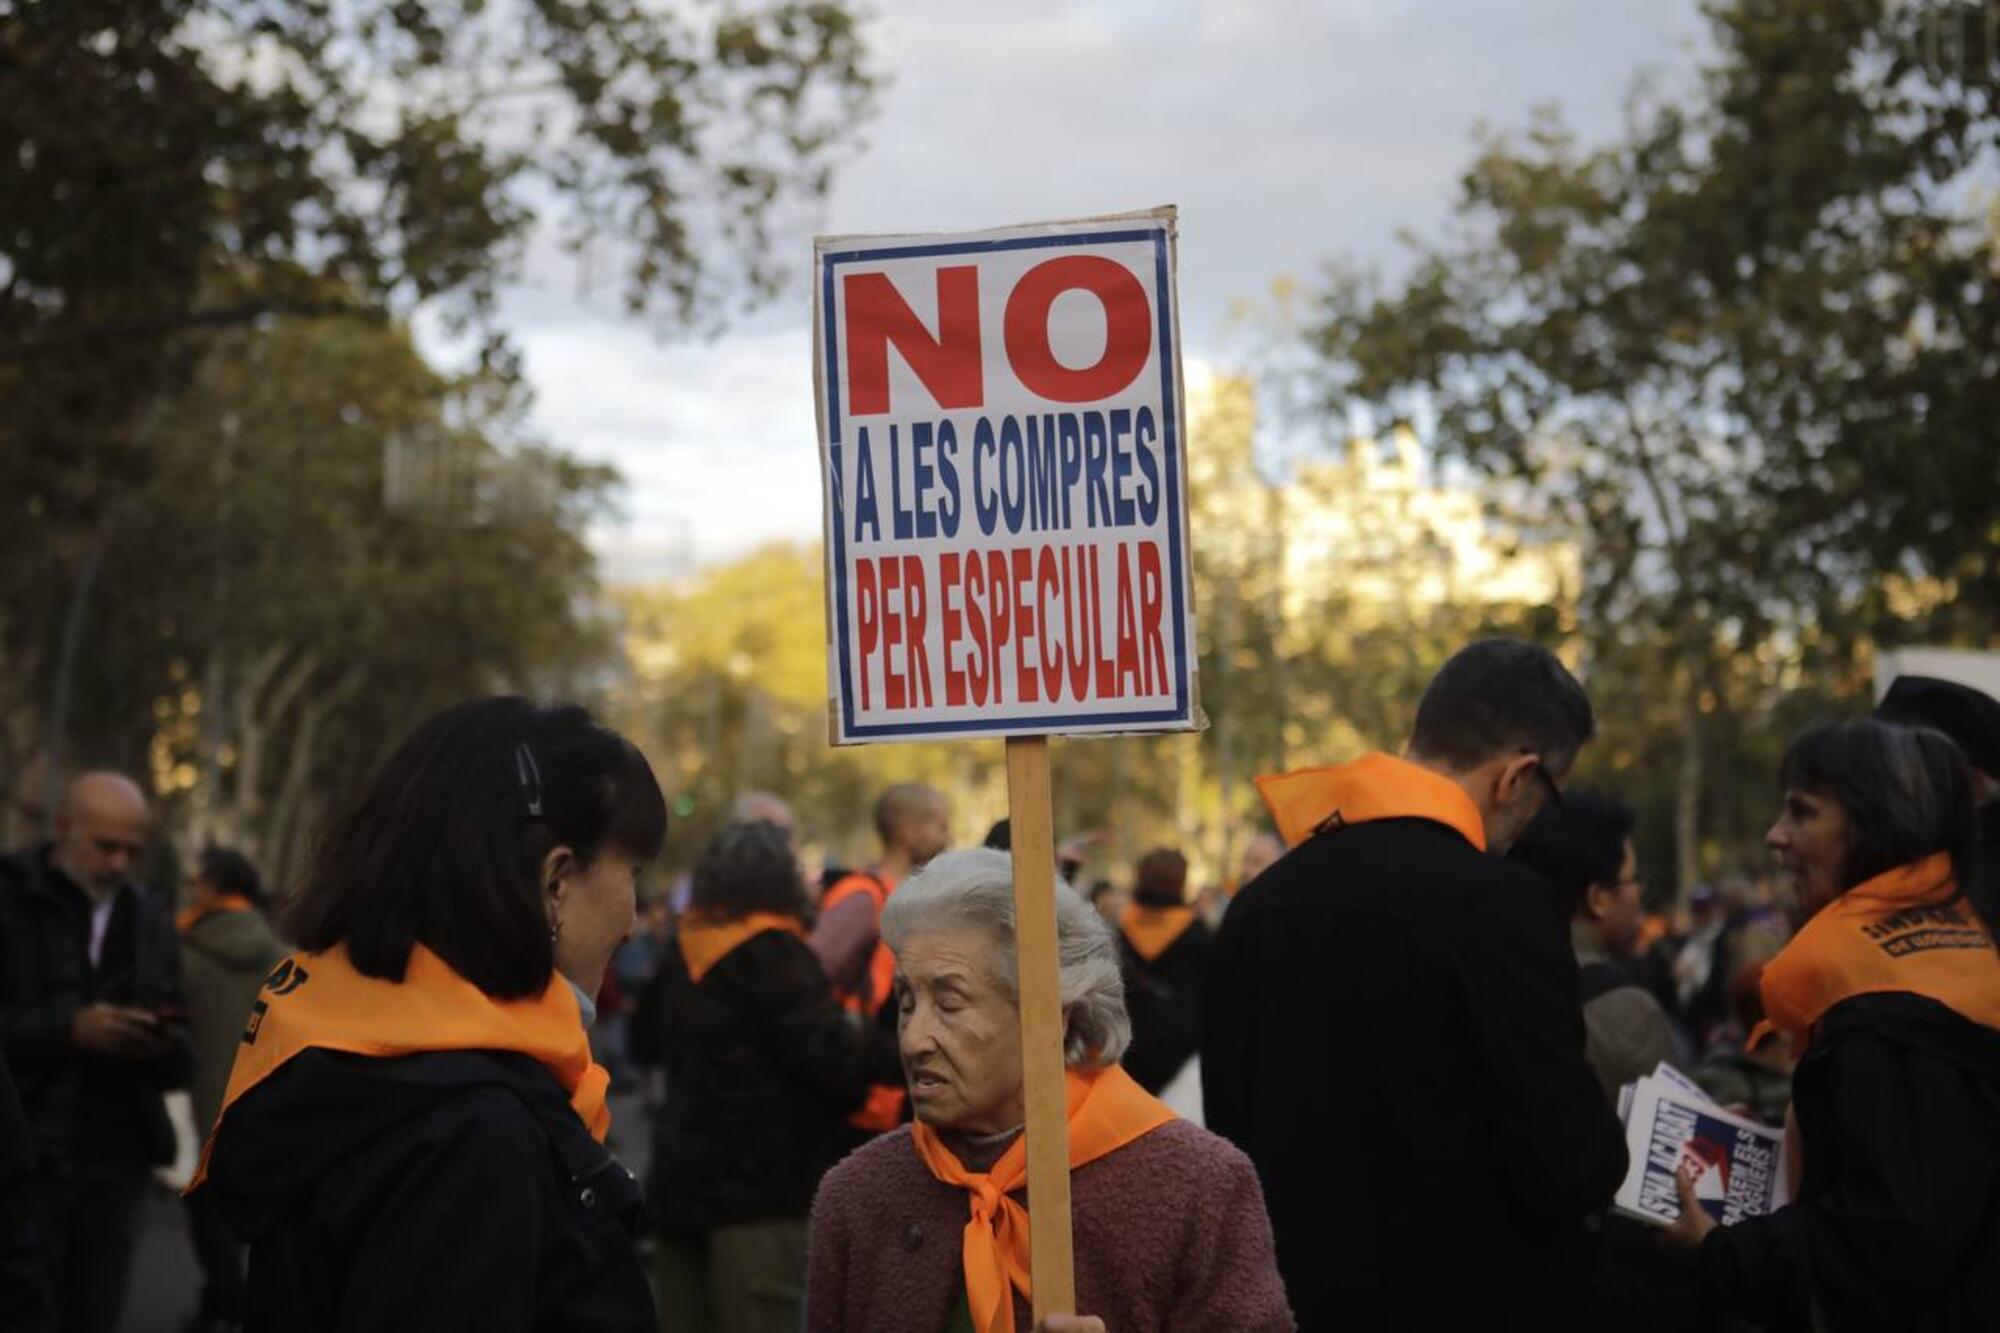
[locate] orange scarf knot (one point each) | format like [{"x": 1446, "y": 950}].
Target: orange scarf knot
[
  {"x": 228, "y": 902},
  {"x": 1107, "y": 1110}
]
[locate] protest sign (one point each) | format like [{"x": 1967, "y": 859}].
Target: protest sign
[
  {"x": 1670, "y": 1123},
  {"x": 1001, "y": 418},
  {"x": 1001, "y": 441}
]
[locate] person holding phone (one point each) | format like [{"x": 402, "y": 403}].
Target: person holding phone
[{"x": 92, "y": 1022}]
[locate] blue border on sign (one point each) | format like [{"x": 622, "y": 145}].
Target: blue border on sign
[{"x": 1170, "y": 400}]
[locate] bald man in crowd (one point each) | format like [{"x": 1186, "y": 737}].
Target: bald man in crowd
[{"x": 93, "y": 1023}]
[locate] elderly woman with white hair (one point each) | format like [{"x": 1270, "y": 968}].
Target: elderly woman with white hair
[{"x": 925, "y": 1227}]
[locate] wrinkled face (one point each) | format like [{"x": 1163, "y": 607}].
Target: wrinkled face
[
  {"x": 99, "y": 841},
  {"x": 1617, "y": 906},
  {"x": 926, "y": 835},
  {"x": 959, "y": 1033},
  {"x": 595, "y": 906},
  {"x": 1810, "y": 839}
]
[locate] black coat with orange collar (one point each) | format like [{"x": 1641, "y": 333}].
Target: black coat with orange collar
[{"x": 1392, "y": 1032}]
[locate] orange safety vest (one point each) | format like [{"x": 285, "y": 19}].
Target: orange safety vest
[{"x": 883, "y": 1110}]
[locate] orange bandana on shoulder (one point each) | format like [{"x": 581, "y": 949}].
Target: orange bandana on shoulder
[
  {"x": 1375, "y": 786},
  {"x": 1905, "y": 931},
  {"x": 704, "y": 942},
  {"x": 1107, "y": 1110},
  {"x": 1151, "y": 931},
  {"x": 319, "y": 1001}
]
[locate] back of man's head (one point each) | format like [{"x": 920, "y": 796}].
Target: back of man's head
[{"x": 1498, "y": 698}]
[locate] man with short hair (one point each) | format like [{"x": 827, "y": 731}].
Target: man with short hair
[
  {"x": 913, "y": 823},
  {"x": 1391, "y": 1028},
  {"x": 1584, "y": 850},
  {"x": 93, "y": 1022}
]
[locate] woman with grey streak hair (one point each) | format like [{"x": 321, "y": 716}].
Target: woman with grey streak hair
[
  {"x": 927, "y": 1226},
  {"x": 1891, "y": 989}
]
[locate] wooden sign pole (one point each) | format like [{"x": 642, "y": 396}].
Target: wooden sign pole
[{"x": 1052, "y": 1271}]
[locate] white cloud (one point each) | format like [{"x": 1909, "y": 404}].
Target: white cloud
[{"x": 1288, "y": 131}]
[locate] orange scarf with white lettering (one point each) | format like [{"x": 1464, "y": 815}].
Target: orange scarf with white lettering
[
  {"x": 706, "y": 941},
  {"x": 1375, "y": 786},
  {"x": 1107, "y": 1110},
  {"x": 318, "y": 1001},
  {"x": 1905, "y": 931},
  {"x": 228, "y": 902},
  {"x": 1151, "y": 931}
]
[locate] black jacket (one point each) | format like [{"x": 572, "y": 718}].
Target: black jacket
[
  {"x": 1897, "y": 1225},
  {"x": 762, "y": 1068},
  {"x": 1163, "y": 998},
  {"x": 1391, "y": 1031},
  {"x": 81, "y": 1103},
  {"x": 23, "y": 1297},
  {"x": 454, "y": 1190}
]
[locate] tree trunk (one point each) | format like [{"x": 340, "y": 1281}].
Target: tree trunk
[{"x": 1688, "y": 789}]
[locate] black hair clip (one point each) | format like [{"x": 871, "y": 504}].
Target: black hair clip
[{"x": 531, "y": 779}]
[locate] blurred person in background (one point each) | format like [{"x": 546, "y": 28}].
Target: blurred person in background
[
  {"x": 762, "y": 1068},
  {"x": 1754, "y": 1071},
  {"x": 1891, "y": 991},
  {"x": 412, "y": 1136},
  {"x": 1584, "y": 849},
  {"x": 227, "y": 949},
  {"x": 913, "y": 824},
  {"x": 1163, "y": 947},
  {"x": 927, "y": 1227},
  {"x": 93, "y": 1022}
]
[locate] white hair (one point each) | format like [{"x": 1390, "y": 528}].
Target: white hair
[{"x": 976, "y": 889}]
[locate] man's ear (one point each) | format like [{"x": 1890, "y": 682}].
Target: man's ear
[
  {"x": 1593, "y": 901},
  {"x": 1513, "y": 775}
]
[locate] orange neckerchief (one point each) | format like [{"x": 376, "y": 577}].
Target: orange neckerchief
[
  {"x": 1107, "y": 1110},
  {"x": 705, "y": 941},
  {"x": 1907, "y": 930},
  {"x": 228, "y": 902},
  {"x": 1153, "y": 930},
  {"x": 318, "y": 1001},
  {"x": 1375, "y": 786}
]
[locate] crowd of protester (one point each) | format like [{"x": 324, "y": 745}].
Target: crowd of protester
[{"x": 1368, "y": 1079}]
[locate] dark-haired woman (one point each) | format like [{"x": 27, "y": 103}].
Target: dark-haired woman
[
  {"x": 227, "y": 949},
  {"x": 762, "y": 1069},
  {"x": 1891, "y": 990},
  {"x": 412, "y": 1133}
]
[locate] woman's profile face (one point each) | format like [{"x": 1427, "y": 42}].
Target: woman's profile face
[
  {"x": 1810, "y": 839},
  {"x": 595, "y": 907},
  {"x": 959, "y": 1033}
]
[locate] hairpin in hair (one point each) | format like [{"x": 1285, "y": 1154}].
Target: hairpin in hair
[{"x": 531, "y": 779}]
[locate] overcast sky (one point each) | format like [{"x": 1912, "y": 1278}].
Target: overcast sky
[{"x": 1288, "y": 132}]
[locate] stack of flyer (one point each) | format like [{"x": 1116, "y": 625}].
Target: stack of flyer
[{"x": 1670, "y": 1121}]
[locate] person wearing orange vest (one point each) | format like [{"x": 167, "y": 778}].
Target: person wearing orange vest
[
  {"x": 1891, "y": 991},
  {"x": 913, "y": 822},
  {"x": 413, "y": 1132}
]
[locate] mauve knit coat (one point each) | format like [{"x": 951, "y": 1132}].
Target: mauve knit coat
[{"x": 1170, "y": 1235}]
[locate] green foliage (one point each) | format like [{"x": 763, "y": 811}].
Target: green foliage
[{"x": 1746, "y": 353}]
